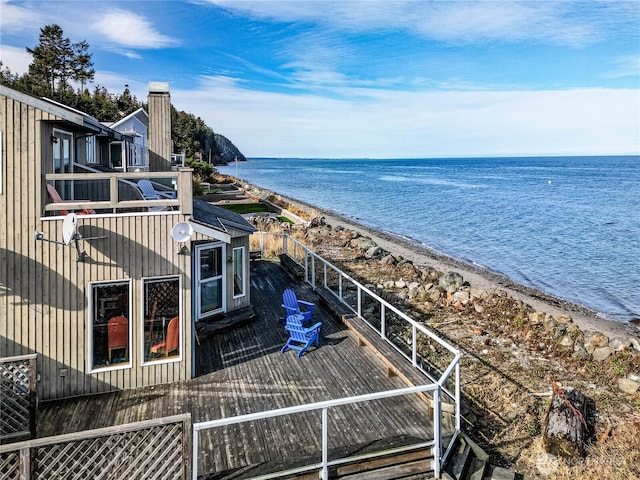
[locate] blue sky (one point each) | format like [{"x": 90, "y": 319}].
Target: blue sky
[{"x": 379, "y": 79}]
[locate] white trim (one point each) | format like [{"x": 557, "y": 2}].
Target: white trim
[
  {"x": 197, "y": 282},
  {"x": 210, "y": 232},
  {"x": 90, "y": 320},
  {"x": 244, "y": 271},
  {"x": 1, "y": 165},
  {"x": 179, "y": 357}
]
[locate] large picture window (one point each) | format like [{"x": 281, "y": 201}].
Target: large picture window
[
  {"x": 161, "y": 313},
  {"x": 110, "y": 324},
  {"x": 238, "y": 272}
]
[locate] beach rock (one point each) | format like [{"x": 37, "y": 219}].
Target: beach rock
[
  {"x": 537, "y": 318},
  {"x": 478, "y": 308},
  {"x": 389, "y": 260},
  {"x": 620, "y": 343},
  {"x": 564, "y": 319},
  {"x": 362, "y": 242},
  {"x": 602, "y": 353},
  {"x": 374, "y": 252},
  {"x": 568, "y": 342},
  {"x": 628, "y": 386},
  {"x": 435, "y": 295},
  {"x": 550, "y": 324},
  {"x": 579, "y": 351},
  {"x": 414, "y": 286},
  {"x": 400, "y": 284},
  {"x": 593, "y": 340},
  {"x": 635, "y": 343},
  {"x": 451, "y": 281},
  {"x": 461, "y": 296},
  {"x": 389, "y": 284}
]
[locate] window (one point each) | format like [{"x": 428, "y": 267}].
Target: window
[
  {"x": 209, "y": 280},
  {"x": 238, "y": 272},
  {"x": 161, "y": 313},
  {"x": 110, "y": 324},
  {"x": 91, "y": 149}
]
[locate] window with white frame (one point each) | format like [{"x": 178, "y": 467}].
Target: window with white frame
[
  {"x": 210, "y": 280},
  {"x": 238, "y": 272},
  {"x": 161, "y": 314},
  {"x": 110, "y": 324}
]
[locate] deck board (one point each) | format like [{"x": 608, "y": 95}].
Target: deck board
[{"x": 242, "y": 371}]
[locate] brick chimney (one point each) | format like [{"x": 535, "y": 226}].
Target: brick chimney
[{"x": 159, "y": 127}]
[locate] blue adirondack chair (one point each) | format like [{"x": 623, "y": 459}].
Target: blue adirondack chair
[
  {"x": 301, "y": 338},
  {"x": 292, "y": 305}
]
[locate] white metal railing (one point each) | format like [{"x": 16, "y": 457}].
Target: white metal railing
[{"x": 316, "y": 267}]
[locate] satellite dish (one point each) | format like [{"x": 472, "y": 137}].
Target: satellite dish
[
  {"x": 182, "y": 232},
  {"x": 69, "y": 226}
]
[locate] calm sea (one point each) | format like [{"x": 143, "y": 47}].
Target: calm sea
[{"x": 569, "y": 226}]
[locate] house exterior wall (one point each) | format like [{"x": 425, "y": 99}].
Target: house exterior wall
[{"x": 44, "y": 290}]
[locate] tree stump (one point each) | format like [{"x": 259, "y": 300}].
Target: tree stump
[{"x": 567, "y": 427}]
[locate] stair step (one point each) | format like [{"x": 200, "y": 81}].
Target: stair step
[
  {"x": 378, "y": 463},
  {"x": 476, "y": 469},
  {"x": 392, "y": 472},
  {"x": 500, "y": 473},
  {"x": 460, "y": 460}
]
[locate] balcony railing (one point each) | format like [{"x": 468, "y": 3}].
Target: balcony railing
[{"x": 118, "y": 192}]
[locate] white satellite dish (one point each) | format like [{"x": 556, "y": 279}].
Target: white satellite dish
[
  {"x": 181, "y": 232},
  {"x": 69, "y": 226}
]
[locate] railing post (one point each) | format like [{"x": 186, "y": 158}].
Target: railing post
[
  {"x": 194, "y": 464},
  {"x": 325, "y": 444},
  {"x": 185, "y": 190},
  {"x": 359, "y": 300},
  {"x": 458, "y": 426},
  {"x": 383, "y": 321},
  {"x": 113, "y": 192},
  {"x": 414, "y": 347},
  {"x": 437, "y": 432},
  {"x": 313, "y": 271},
  {"x": 25, "y": 463}
]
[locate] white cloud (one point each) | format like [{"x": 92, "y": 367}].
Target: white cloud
[
  {"x": 385, "y": 123},
  {"x": 18, "y": 18},
  {"x": 16, "y": 59},
  {"x": 130, "y": 30}
]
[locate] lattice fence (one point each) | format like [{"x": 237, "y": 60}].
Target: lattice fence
[
  {"x": 18, "y": 397},
  {"x": 153, "y": 449}
]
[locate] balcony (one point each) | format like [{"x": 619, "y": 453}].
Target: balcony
[{"x": 97, "y": 193}]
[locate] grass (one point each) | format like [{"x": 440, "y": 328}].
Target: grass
[{"x": 242, "y": 208}]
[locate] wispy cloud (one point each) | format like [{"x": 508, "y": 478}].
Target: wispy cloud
[
  {"x": 625, "y": 66},
  {"x": 569, "y": 23},
  {"x": 131, "y": 30},
  {"x": 17, "y": 18},
  {"x": 388, "y": 123}
]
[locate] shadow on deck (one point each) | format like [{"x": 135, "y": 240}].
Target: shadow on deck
[{"x": 242, "y": 371}]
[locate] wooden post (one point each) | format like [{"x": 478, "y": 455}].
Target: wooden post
[{"x": 567, "y": 430}]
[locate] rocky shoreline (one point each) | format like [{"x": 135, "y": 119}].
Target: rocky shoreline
[{"x": 419, "y": 254}]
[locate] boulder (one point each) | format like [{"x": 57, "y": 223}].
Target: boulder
[
  {"x": 451, "y": 281},
  {"x": 628, "y": 386},
  {"x": 537, "y": 318},
  {"x": 374, "y": 252},
  {"x": 602, "y": 353},
  {"x": 362, "y": 242},
  {"x": 593, "y": 340},
  {"x": 461, "y": 296},
  {"x": 579, "y": 351},
  {"x": 389, "y": 260},
  {"x": 619, "y": 343},
  {"x": 400, "y": 284}
]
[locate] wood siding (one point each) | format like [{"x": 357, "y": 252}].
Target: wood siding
[{"x": 44, "y": 290}]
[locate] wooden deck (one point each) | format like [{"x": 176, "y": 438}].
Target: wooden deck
[{"x": 242, "y": 371}]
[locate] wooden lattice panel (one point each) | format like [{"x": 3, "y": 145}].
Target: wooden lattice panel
[
  {"x": 10, "y": 465},
  {"x": 151, "y": 453},
  {"x": 15, "y": 397}
]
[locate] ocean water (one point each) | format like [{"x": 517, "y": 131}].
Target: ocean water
[{"x": 568, "y": 226}]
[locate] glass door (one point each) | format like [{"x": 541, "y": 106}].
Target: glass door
[
  {"x": 210, "y": 280},
  {"x": 63, "y": 161}
]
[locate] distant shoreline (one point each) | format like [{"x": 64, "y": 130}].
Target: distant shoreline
[{"x": 479, "y": 277}]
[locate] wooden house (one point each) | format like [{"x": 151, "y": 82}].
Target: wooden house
[
  {"x": 92, "y": 278},
  {"x": 136, "y": 126}
]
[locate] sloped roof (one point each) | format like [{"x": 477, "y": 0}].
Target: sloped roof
[{"x": 220, "y": 218}]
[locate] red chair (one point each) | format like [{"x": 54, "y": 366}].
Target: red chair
[
  {"x": 56, "y": 198},
  {"x": 172, "y": 340},
  {"x": 117, "y": 335}
]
